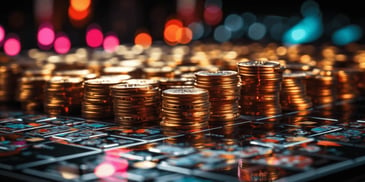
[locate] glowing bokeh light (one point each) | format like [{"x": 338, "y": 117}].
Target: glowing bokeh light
[
  {"x": 94, "y": 36},
  {"x": 234, "y": 22},
  {"x": 62, "y": 44},
  {"x": 184, "y": 35},
  {"x": 256, "y": 31},
  {"x": 143, "y": 39},
  {"x": 12, "y": 46},
  {"x": 306, "y": 30},
  {"x": 2, "y": 34},
  {"x": 222, "y": 34},
  {"x": 45, "y": 35},
  {"x": 80, "y": 5},
  {"x": 78, "y": 15},
  {"x": 104, "y": 170},
  {"x": 198, "y": 30},
  {"x": 347, "y": 34},
  {"x": 111, "y": 43},
  {"x": 212, "y": 15},
  {"x": 170, "y": 34},
  {"x": 173, "y": 22}
]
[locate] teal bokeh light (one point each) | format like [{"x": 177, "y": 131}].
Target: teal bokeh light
[{"x": 346, "y": 35}]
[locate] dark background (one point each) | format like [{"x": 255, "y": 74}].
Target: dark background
[{"x": 17, "y": 16}]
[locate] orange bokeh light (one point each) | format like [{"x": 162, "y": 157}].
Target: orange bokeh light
[
  {"x": 77, "y": 15},
  {"x": 80, "y": 5},
  {"x": 143, "y": 39},
  {"x": 184, "y": 35},
  {"x": 170, "y": 33},
  {"x": 173, "y": 22}
]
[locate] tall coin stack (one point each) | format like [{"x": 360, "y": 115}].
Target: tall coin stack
[
  {"x": 293, "y": 95},
  {"x": 30, "y": 93},
  {"x": 97, "y": 102},
  {"x": 185, "y": 109},
  {"x": 224, "y": 94},
  {"x": 260, "y": 87},
  {"x": 63, "y": 95},
  {"x": 136, "y": 104}
]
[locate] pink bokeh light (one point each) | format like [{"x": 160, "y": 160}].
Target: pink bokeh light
[
  {"x": 45, "y": 35},
  {"x": 212, "y": 15},
  {"x": 62, "y": 44},
  {"x": 12, "y": 46},
  {"x": 2, "y": 34},
  {"x": 94, "y": 36},
  {"x": 111, "y": 42}
]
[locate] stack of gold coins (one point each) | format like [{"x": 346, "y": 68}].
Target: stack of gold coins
[
  {"x": 347, "y": 81},
  {"x": 63, "y": 95},
  {"x": 186, "y": 109},
  {"x": 97, "y": 102},
  {"x": 8, "y": 81},
  {"x": 293, "y": 95},
  {"x": 260, "y": 87},
  {"x": 30, "y": 93},
  {"x": 166, "y": 83},
  {"x": 224, "y": 94},
  {"x": 321, "y": 87},
  {"x": 158, "y": 72},
  {"x": 136, "y": 104}
]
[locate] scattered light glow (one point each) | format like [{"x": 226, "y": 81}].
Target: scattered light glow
[
  {"x": 111, "y": 43},
  {"x": 212, "y": 14},
  {"x": 12, "y": 46},
  {"x": 198, "y": 30},
  {"x": 347, "y": 34},
  {"x": 80, "y": 5},
  {"x": 233, "y": 22},
  {"x": 62, "y": 44},
  {"x": 222, "y": 34},
  {"x": 256, "y": 31},
  {"x": 104, "y": 170},
  {"x": 2, "y": 34},
  {"x": 94, "y": 36},
  {"x": 45, "y": 35},
  {"x": 143, "y": 39}
]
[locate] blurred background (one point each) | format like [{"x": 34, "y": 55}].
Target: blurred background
[{"x": 60, "y": 25}]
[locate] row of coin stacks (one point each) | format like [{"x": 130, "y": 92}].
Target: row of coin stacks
[{"x": 296, "y": 81}]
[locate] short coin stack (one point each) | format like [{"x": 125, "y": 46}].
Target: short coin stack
[
  {"x": 30, "y": 93},
  {"x": 347, "y": 81},
  {"x": 63, "y": 95},
  {"x": 185, "y": 109},
  {"x": 260, "y": 87},
  {"x": 97, "y": 102},
  {"x": 224, "y": 94},
  {"x": 136, "y": 104},
  {"x": 293, "y": 95},
  {"x": 322, "y": 88}
]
